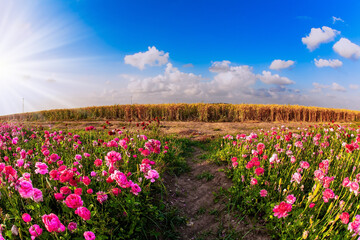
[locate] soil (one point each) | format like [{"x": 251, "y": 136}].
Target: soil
[{"x": 207, "y": 216}]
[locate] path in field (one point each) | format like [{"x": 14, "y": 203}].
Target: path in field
[{"x": 194, "y": 197}]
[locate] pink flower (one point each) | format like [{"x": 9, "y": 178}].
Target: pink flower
[
  {"x": 263, "y": 193},
  {"x": 152, "y": 174},
  {"x": 59, "y": 196},
  {"x": 38, "y": 196},
  {"x": 26, "y": 189},
  {"x": 86, "y": 180},
  {"x": 282, "y": 209},
  {"x": 312, "y": 205},
  {"x": 101, "y": 197},
  {"x": 296, "y": 177},
  {"x": 52, "y": 223},
  {"x": 344, "y": 218},
  {"x": 355, "y": 225},
  {"x": 328, "y": 194},
  {"x": 72, "y": 226},
  {"x": 112, "y": 157},
  {"x": 35, "y": 231},
  {"x": 78, "y": 157},
  {"x": 346, "y": 182},
  {"x": 253, "y": 181},
  {"x": 73, "y": 201},
  {"x": 304, "y": 164},
  {"x": 41, "y": 168},
  {"x": 89, "y": 235},
  {"x": 65, "y": 190},
  {"x": 83, "y": 212},
  {"x": 259, "y": 171},
  {"x": 354, "y": 187},
  {"x": 291, "y": 199},
  {"x": 319, "y": 174},
  {"x": 135, "y": 189},
  {"x": 120, "y": 178},
  {"x": 98, "y": 162},
  {"x": 26, "y": 217}
]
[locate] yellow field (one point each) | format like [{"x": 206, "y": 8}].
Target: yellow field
[{"x": 193, "y": 112}]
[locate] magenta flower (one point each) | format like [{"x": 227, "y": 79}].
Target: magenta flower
[
  {"x": 38, "y": 196},
  {"x": 74, "y": 201},
  {"x": 282, "y": 209},
  {"x": 328, "y": 194},
  {"x": 26, "y": 217},
  {"x": 152, "y": 174},
  {"x": 35, "y": 231},
  {"x": 89, "y": 235},
  {"x": 41, "y": 168},
  {"x": 263, "y": 193},
  {"x": 83, "y": 212},
  {"x": 291, "y": 199},
  {"x": 52, "y": 223},
  {"x": 26, "y": 189},
  {"x": 72, "y": 226}
]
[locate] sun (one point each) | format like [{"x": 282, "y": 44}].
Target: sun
[{"x": 31, "y": 52}]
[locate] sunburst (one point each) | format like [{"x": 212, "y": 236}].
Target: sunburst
[{"x": 32, "y": 39}]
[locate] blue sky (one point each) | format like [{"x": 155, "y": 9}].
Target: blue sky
[{"x": 73, "y": 53}]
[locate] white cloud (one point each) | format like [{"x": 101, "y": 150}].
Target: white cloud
[
  {"x": 334, "y": 63},
  {"x": 345, "y": 48},
  {"x": 334, "y": 86},
  {"x": 232, "y": 80},
  {"x": 222, "y": 66},
  {"x": 320, "y": 86},
  {"x": 318, "y": 36},
  {"x": 354, "y": 86},
  {"x": 281, "y": 64},
  {"x": 337, "y": 87},
  {"x": 151, "y": 57},
  {"x": 336, "y": 19},
  {"x": 172, "y": 82},
  {"x": 268, "y": 78}
]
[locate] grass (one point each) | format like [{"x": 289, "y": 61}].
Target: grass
[{"x": 205, "y": 175}]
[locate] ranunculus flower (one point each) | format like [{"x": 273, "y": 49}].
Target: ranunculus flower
[
  {"x": 259, "y": 171},
  {"x": 41, "y": 168},
  {"x": 83, "y": 212},
  {"x": 152, "y": 174},
  {"x": 52, "y": 223},
  {"x": 89, "y": 235},
  {"x": 73, "y": 201},
  {"x": 282, "y": 209},
  {"x": 344, "y": 218},
  {"x": 26, "y": 217},
  {"x": 35, "y": 231},
  {"x": 296, "y": 177},
  {"x": 253, "y": 181},
  {"x": 72, "y": 226},
  {"x": 291, "y": 199},
  {"x": 354, "y": 187},
  {"x": 38, "y": 196},
  {"x": 65, "y": 190},
  {"x": 263, "y": 193},
  {"x": 26, "y": 189},
  {"x": 328, "y": 194}
]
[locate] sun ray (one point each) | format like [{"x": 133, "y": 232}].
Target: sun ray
[{"x": 33, "y": 62}]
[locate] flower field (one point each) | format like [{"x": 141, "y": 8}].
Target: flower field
[
  {"x": 304, "y": 184},
  {"x": 88, "y": 184}
]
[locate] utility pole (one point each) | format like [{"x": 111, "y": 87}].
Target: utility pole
[
  {"x": 23, "y": 105},
  {"x": 131, "y": 99}
]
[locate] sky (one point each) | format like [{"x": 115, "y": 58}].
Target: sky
[{"x": 77, "y": 53}]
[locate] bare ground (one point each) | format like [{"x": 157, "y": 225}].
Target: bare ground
[{"x": 207, "y": 215}]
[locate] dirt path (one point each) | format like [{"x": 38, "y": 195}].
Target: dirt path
[{"x": 207, "y": 215}]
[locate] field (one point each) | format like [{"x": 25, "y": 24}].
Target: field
[{"x": 179, "y": 180}]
